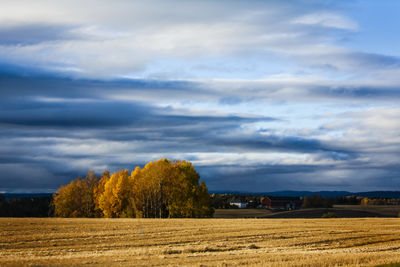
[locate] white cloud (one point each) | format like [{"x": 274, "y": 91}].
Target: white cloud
[
  {"x": 105, "y": 38},
  {"x": 330, "y": 20}
]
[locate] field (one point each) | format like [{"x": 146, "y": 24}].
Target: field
[
  {"x": 210, "y": 242},
  {"x": 380, "y": 210},
  {"x": 341, "y": 211},
  {"x": 242, "y": 213}
]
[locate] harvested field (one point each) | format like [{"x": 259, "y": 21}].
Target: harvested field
[
  {"x": 380, "y": 210},
  {"x": 340, "y": 211},
  {"x": 267, "y": 242},
  {"x": 242, "y": 213},
  {"x": 318, "y": 213}
]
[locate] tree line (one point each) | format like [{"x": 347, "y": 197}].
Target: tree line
[
  {"x": 162, "y": 189},
  {"x": 317, "y": 201},
  {"x": 26, "y": 206},
  {"x": 222, "y": 201},
  {"x": 380, "y": 201}
]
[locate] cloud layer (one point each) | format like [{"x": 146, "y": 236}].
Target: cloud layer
[{"x": 260, "y": 96}]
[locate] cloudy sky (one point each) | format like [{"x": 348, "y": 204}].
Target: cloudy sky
[{"x": 259, "y": 95}]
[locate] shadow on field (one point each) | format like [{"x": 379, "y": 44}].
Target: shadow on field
[
  {"x": 338, "y": 211},
  {"x": 318, "y": 213}
]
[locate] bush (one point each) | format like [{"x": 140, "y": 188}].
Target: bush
[{"x": 329, "y": 215}]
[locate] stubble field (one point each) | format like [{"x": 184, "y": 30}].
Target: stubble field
[{"x": 210, "y": 242}]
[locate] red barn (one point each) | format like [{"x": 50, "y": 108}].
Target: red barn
[{"x": 282, "y": 203}]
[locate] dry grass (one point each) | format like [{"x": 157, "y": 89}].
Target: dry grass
[
  {"x": 267, "y": 242},
  {"x": 242, "y": 213}
]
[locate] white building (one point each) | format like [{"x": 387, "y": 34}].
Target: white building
[{"x": 239, "y": 204}]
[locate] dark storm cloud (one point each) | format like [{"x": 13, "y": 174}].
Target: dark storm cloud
[
  {"x": 30, "y": 34},
  {"x": 264, "y": 177},
  {"x": 103, "y": 114},
  {"x": 66, "y": 115},
  {"x": 30, "y": 83},
  {"x": 208, "y": 76},
  {"x": 133, "y": 121},
  {"x": 62, "y": 127},
  {"x": 17, "y": 81},
  {"x": 277, "y": 143},
  {"x": 356, "y": 92},
  {"x": 376, "y": 60},
  {"x": 163, "y": 132},
  {"x": 260, "y": 178}
]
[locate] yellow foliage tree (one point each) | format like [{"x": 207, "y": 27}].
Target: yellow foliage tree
[
  {"x": 364, "y": 201},
  {"x": 151, "y": 187},
  {"x": 76, "y": 198},
  {"x": 188, "y": 198},
  {"x": 117, "y": 198},
  {"x": 98, "y": 191},
  {"x": 170, "y": 189},
  {"x": 161, "y": 189}
]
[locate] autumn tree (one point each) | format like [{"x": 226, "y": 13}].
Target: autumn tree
[
  {"x": 76, "y": 199},
  {"x": 139, "y": 187},
  {"x": 161, "y": 189},
  {"x": 189, "y": 198},
  {"x": 170, "y": 189},
  {"x": 98, "y": 191},
  {"x": 203, "y": 206},
  {"x": 152, "y": 187},
  {"x": 65, "y": 202},
  {"x": 88, "y": 185},
  {"x": 117, "y": 198}
]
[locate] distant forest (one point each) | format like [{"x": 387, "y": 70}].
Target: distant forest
[
  {"x": 42, "y": 205},
  {"x": 20, "y": 205},
  {"x": 162, "y": 189}
]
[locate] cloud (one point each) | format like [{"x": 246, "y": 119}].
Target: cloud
[
  {"x": 329, "y": 20},
  {"x": 129, "y": 38},
  {"x": 259, "y": 95},
  {"x": 30, "y": 34}
]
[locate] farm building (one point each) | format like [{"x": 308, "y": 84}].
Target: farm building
[
  {"x": 239, "y": 204},
  {"x": 281, "y": 203}
]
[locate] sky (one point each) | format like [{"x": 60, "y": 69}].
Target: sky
[{"x": 259, "y": 95}]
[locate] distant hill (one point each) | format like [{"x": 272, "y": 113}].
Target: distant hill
[
  {"x": 309, "y": 193},
  {"x": 384, "y": 194},
  {"x": 334, "y": 194},
  {"x": 286, "y": 193}
]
